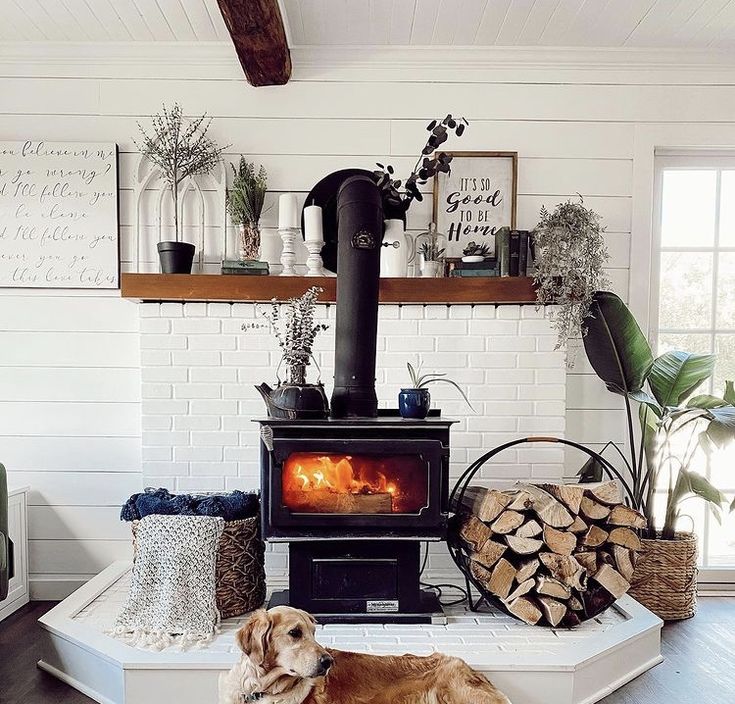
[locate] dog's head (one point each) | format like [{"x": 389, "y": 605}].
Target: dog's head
[{"x": 284, "y": 637}]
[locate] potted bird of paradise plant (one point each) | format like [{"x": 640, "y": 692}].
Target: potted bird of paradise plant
[{"x": 680, "y": 431}]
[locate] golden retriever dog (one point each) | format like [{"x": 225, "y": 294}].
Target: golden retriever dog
[{"x": 283, "y": 664}]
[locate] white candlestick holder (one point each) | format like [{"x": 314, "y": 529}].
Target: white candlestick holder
[
  {"x": 288, "y": 253},
  {"x": 314, "y": 263}
]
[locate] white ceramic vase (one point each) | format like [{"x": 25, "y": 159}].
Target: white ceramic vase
[{"x": 394, "y": 254}]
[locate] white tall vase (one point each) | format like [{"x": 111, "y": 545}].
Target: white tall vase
[{"x": 394, "y": 254}]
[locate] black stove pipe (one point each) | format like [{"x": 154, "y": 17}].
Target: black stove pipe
[{"x": 359, "y": 237}]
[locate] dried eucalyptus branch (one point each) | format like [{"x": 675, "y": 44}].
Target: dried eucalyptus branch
[
  {"x": 293, "y": 325},
  {"x": 398, "y": 195},
  {"x": 570, "y": 256}
]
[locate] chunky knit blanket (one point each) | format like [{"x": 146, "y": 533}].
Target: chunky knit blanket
[
  {"x": 232, "y": 505},
  {"x": 172, "y": 594}
]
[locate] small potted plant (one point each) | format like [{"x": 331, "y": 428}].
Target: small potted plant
[
  {"x": 679, "y": 431},
  {"x": 474, "y": 252},
  {"x": 414, "y": 401},
  {"x": 245, "y": 201},
  {"x": 430, "y": 252},
  {"x": 180, "y": 149}
]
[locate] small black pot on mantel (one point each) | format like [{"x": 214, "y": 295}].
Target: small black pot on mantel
[
  {"x": 414, "y": 403},
  {"x": 176, "y": 257}
]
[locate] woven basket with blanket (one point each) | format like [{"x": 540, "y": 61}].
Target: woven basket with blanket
[{"x": 240, "y": 567}]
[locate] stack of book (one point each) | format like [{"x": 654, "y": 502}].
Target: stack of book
[
  {"x": 514, "y": 251},
  {"x": 247, "y": 267},
  {"x": 488, "y": 267}
]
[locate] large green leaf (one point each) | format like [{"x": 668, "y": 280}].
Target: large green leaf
[
  {"x": 729, "y": 394},
  {"x": 721, "y": 428},
  {"x": 689, "y": 482},
  {"x": 706, "y": 401},
  {"x": 675, "y": 375},
  {"x": 646, "y": 399},
  {"x": 616, "y": 348}
]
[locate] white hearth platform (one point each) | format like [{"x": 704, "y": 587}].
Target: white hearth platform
[{"x": 531, "y": 665}]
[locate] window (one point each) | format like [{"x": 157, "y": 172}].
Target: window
[{"x": 693, "y": 306}]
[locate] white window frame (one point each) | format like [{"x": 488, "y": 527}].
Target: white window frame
[{"x": 711, "y": 578}]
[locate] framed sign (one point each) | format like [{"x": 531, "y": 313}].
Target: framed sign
[
  {"x": 476, "y": 199},
  {"x": 59, "y": 215}
]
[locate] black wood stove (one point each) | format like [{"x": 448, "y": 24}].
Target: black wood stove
[{"x": 354, "y": 495}]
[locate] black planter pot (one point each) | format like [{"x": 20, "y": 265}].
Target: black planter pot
[
  {"x": 414, "y": 403},
  {"x": 176, "y": 257}
]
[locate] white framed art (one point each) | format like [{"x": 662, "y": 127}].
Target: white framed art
[
  {"x": 59, "y": 215},
  {"x": 476, "y": 199}
]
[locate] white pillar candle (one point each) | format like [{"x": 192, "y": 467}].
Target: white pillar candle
[
  {"x": 288, "y": 211},
  {"x": 313, "y": 231}
]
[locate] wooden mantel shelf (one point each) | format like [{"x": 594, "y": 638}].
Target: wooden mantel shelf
[{"x": 217, "y": 287}]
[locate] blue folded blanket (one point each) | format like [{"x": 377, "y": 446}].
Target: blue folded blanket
[{"x": 231, "y": 506}]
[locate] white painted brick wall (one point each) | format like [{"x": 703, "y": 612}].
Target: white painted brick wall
[{"x": 199, "y": 369}]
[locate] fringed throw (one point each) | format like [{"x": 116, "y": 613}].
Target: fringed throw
[{"x": 172, "y": 593}]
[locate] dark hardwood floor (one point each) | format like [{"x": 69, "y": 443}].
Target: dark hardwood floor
[{"x": 699, "y": 666}]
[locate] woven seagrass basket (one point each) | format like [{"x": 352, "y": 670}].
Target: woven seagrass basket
[
  {"x": 665, "y": 577},
  {"x": 240, "y": 571}
]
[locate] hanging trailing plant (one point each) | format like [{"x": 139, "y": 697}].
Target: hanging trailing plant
[{"x": 570, "y": 254}]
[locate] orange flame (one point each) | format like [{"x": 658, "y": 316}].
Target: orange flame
[
  {"x": 317, "y": 472},
  {"x": 315, "y": 482}
]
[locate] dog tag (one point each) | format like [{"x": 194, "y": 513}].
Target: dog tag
[{"x": 382, "y": 606}]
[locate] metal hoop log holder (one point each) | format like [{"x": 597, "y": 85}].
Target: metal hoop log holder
[{"x": 458, "y": 492}]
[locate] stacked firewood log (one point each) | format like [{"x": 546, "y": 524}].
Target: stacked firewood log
[{"x": 553, "y": 554}]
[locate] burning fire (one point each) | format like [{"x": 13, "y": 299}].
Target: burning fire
[
  {"x": 317, "y": 472},
  {"x": 358, "y": 484}
]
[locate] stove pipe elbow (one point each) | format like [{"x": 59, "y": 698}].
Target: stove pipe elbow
[{"x": 359, "y": 237}]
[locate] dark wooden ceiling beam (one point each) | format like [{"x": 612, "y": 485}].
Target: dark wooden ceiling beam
[{"x": 257, "y": 31}]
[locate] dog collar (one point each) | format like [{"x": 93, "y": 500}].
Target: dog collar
[{"x": 254, "y": 697}]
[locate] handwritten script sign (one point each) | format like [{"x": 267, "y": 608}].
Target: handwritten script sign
[
  {"x": 58, "y": 215},
  {"x": 476, "y": 199}
]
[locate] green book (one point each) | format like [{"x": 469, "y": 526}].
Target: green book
[
  {"x": 244, "y": 264},
  {"x": 502, "y": 250},
  {"x": 467, "y": 273},
  {"x": 244, "y": 272}
]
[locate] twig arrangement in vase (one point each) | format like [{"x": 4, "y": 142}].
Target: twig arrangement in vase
[
  {"x": 570, "y": 256},
  {"x": 181, "y": 149},
  {"x": 294, "y": 326},
  {"x": 398, "y": 195},
  {"x": 245, "y": 202}
]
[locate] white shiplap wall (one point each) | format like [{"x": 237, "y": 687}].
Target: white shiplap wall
[{"x": 69, "y": 366}]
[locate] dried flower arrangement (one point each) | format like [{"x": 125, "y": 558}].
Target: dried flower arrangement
[
  {"x": 245, "y": 202},
  {"x": 180, "y": 149},
  {"x": 295, "y": 329},
  {"x": 398, "y": 195},
  {"x": 570, "y": 256}
]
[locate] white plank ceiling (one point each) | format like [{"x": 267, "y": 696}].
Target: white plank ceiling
[{"x": 587, "y": 23}]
